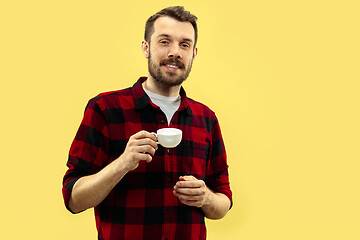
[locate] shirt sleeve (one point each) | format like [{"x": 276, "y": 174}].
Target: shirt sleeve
[
  {"x": 89, "y": 151},
  {"x": 217, "y": 178}
]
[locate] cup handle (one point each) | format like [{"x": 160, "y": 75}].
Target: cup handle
[{"x": 153, "y": 133}]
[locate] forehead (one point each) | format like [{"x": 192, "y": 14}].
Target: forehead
[{"x": 173, "y": 28}]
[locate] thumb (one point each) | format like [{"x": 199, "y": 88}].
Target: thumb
[{"x": 187, "y": 178}]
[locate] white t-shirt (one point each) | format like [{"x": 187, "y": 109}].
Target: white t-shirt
[{"x": 169, "y": 105}]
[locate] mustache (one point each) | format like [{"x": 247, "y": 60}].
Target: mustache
[{"x": 173, "y": 61}]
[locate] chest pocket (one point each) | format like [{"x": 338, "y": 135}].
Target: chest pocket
[{"x": 195, "y": 156}]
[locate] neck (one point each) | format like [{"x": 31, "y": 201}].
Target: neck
[{"x": 154, "y": 86}]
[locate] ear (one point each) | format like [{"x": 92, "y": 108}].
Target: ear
[
  {"x": 195, "y": 53},
  {"x": 145, "y": 47}
]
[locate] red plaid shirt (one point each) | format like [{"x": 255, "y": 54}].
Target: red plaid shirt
[{"x": 142, "y": 204}]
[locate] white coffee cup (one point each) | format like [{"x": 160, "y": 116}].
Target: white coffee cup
[{"x": 168, "y": 137}]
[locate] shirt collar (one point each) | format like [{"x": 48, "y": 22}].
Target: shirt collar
[{"x": 141, "y": 99}]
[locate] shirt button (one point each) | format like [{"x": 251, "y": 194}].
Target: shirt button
[
  {"x": 168, "y": 150},
  {"x": 169, "y": 179},
  {"x": 162, "y": 122},
  {"x": 168, "y": 209}
]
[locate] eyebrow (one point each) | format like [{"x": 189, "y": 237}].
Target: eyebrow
[{"x": 168, "y": 36}]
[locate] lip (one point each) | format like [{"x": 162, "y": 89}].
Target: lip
[
  {"x": 172, "y": 64},
  {"x": 172, "y": 67}
]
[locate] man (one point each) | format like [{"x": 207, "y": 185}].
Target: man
[{"x": 141, "y": 190}]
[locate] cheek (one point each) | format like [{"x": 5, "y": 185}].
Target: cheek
[
  {"x": 158, "y": 53},
  {"x": 188, "y": 57},
  {"x": 189, "y": 61}
]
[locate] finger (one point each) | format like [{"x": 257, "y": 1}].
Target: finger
[
  {"x": 144, "y": 134},
  {"x": 187, "y": 197},
  {"x": 189, "y": 200},
  {"x": 189, "y": 184},
  {"x": 144, "y": 157},
  {"x": 145, "y": 149},
  {"x": 190, "y": 191},
  {"x": 147, "y": 141},
  {"x": 191, "y": 203}
]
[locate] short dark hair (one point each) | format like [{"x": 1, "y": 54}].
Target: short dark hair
[{"x": 176, "y": 12}]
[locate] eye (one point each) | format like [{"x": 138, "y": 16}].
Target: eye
[
  {"x": 185, "y": 45},
  {"x": 164, "y": 42}
]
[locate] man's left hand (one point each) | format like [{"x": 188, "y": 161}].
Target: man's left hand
[{"x": 192, "y": 192}]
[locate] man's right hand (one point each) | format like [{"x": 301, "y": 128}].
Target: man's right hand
[
  {"x": 91, "y": 190},
  {"x": 141, "y": 146}
]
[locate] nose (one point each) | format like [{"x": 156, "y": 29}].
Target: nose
[{"x": 174, "y": 52}]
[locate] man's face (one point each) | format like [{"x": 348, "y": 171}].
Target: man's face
[{"x": 171, "y": 51}]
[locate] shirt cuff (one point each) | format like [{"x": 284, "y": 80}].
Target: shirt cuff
[{"x": 67, "y": 189}]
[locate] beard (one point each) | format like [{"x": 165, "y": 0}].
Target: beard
[{"x": 168, "y": 79}]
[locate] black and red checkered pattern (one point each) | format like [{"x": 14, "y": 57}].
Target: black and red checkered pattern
[{"x": 142, "y": 204}]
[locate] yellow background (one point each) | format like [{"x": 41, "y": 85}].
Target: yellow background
[{"x": 282, "y": 76}]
